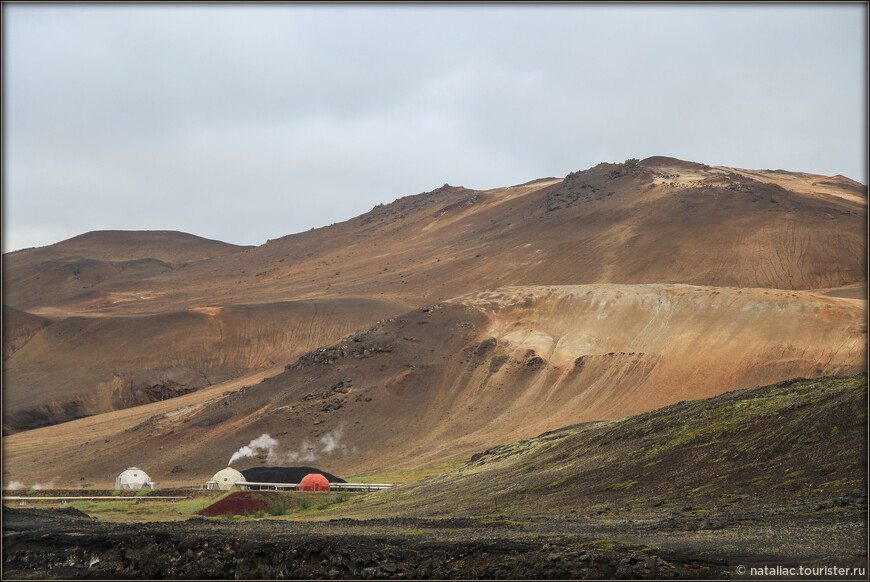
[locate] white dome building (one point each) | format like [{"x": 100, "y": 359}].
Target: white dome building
[
  {"x": 133, "y": 478},
  {"x": 225, "y": 479}
]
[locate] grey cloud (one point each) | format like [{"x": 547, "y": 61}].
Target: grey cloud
[{"x": 244, "y": 123}]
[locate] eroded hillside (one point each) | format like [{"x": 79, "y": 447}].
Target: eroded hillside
[
  {"x": 139, "y": 305},
  {"x": 448, "y": 380},
  {"x": 80, "y": 366}
]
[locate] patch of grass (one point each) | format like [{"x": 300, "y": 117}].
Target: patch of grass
[
  {"x": 314, "y": 503},
  {"x": 492, "y": 522},
  {"x": 708, "y": 488},
  {"x": 837, "y": 483},
  {"x": 809, "y": 441},
  {"x": 625, "y": 486},
  {"x": 558, "y": 482},
  {"x": 157, "y": 510},
  {"x": 14, "y": 450}
]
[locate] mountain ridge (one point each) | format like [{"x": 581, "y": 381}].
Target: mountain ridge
[{"x": 654, "y": 221}]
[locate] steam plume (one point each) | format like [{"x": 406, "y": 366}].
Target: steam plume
[
  {"x": 307, "y": 452},
  {"x": 331, "y": 441},
  {"x": 262, "y": 442}
]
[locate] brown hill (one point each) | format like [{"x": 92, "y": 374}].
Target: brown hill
[
  {"x": 442, "y": 382},
  {"x": 74, "y": 267},
  {"x": 127, "y": 245},
  {"x": 661, "y": 220},
  {"x": 657, "y": 221},
  {"x": 614, "y": 223}
]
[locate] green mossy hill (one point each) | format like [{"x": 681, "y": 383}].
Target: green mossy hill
[{"x": 792, "y": 443}]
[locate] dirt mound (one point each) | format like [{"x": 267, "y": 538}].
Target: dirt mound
[
  {"x": 247, "y": 503},
  {"x": 285, "y": 474}
]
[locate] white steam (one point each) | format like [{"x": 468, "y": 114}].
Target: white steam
[
  {"x": 262, "y": 443},
  {"x": 331, "y": 441},
  {"x": 307, "y": 452}
]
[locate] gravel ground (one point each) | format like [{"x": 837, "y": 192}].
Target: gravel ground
[{"x": 65, "y": 543}]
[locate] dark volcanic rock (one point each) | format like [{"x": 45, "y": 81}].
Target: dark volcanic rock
[{"x": 215, "y": 549}]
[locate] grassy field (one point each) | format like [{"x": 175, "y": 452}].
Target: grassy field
[
  {"x": 136, "y": 509},
  {"x": 132, "y": 509}
]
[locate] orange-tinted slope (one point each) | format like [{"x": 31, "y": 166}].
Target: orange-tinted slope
[{"x": 443, "y": 382}]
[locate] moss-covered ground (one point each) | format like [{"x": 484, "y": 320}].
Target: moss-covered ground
[{"x": 800, "y": 441}]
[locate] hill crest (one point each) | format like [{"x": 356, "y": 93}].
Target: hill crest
[{"x": 658, "y": 221}]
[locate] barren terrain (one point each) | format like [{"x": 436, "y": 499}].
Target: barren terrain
[
  {"x": 113, "y": 319},
  {"x": 467, "y": 374}
]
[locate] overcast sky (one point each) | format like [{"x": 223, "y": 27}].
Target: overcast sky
[{"x": 244, "y": 122}]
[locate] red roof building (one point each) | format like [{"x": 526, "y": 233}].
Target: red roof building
[{"x": 314, "y": 482}]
